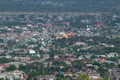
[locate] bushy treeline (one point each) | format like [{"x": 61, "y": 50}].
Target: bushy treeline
[{"x": 59, "y": 5}]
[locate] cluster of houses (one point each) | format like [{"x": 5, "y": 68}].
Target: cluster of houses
[
  {"x": 14, "y": 75},
  {"x": 29, "y": 38}
]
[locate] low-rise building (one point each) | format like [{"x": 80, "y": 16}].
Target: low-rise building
[{"x": 46, "y": 77}]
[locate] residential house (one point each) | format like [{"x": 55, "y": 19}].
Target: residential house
[
  {"x": 68, "y": 74},
  {"x": 114, "y": 74},
  {"x": 46, "y": 77},
  {"x": 94, "y": 75},
  {"x": 2, "y": 66}
]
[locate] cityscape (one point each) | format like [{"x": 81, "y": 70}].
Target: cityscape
[{"x": 56, "y": 41}]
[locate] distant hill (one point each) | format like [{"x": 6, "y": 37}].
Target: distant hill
[{"x": 59, "y": 5}]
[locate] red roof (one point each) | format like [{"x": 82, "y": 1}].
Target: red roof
[
  {"x": 25, "y": 76},
  {"x": 67, "y": 23},
  {"x": 47, "y": 25},
  {"x": 100, "y": 24},
  {"x": 65, "y": 59},
  {"x": 4, "y": 65},
  {"x": 56, "y": 72}
]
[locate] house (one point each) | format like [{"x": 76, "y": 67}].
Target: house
[
  {"x": 68, "y": 74},
  {"x": 3, "y": 76},
  {"x": 101, "y": 60},
  {"x": 56, "y": 56},
  {"x": 1, "y": 50},
  {"x": 80, "y": 43},
  {"x": 66, "y": 60},
  {"x": 46, "y": 77},
  {"x": 94, "y": 75},
  {"x": 2, "y": 66},
  {"x": 114, "y": 74},
  {"x": 24, "y": 59},
  {"x": 117, "y": 75},
  {"x": 112, "y": 55},
  {"x": 87, "y": 61},
  {"x": 89, "y": 65},
  {"x": 14, "y": 75},
  {"x": 81, "y": 57},
  {"x": 74, "y": 78},
  {"x": 118, "y": 61},
  {"x": 46, "y": 56},
  {"x": 56, "y": 72},
  {"x": 32, "y": 51}
]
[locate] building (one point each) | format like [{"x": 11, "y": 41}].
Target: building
[
  {"x": 46, "y": 77},
  {"x": 94, "y": 75}
]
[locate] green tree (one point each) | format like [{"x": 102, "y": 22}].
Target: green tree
[
  {"x": 1, "y": 79},
  {"x": 11, "y": 68},
  {"x": 4, "y": 60},
  {"x": 106, "y": 78},
  {"x": 83, "y": 76}
]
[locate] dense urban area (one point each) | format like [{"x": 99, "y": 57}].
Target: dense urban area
[{"x": 59, "y": 40}]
